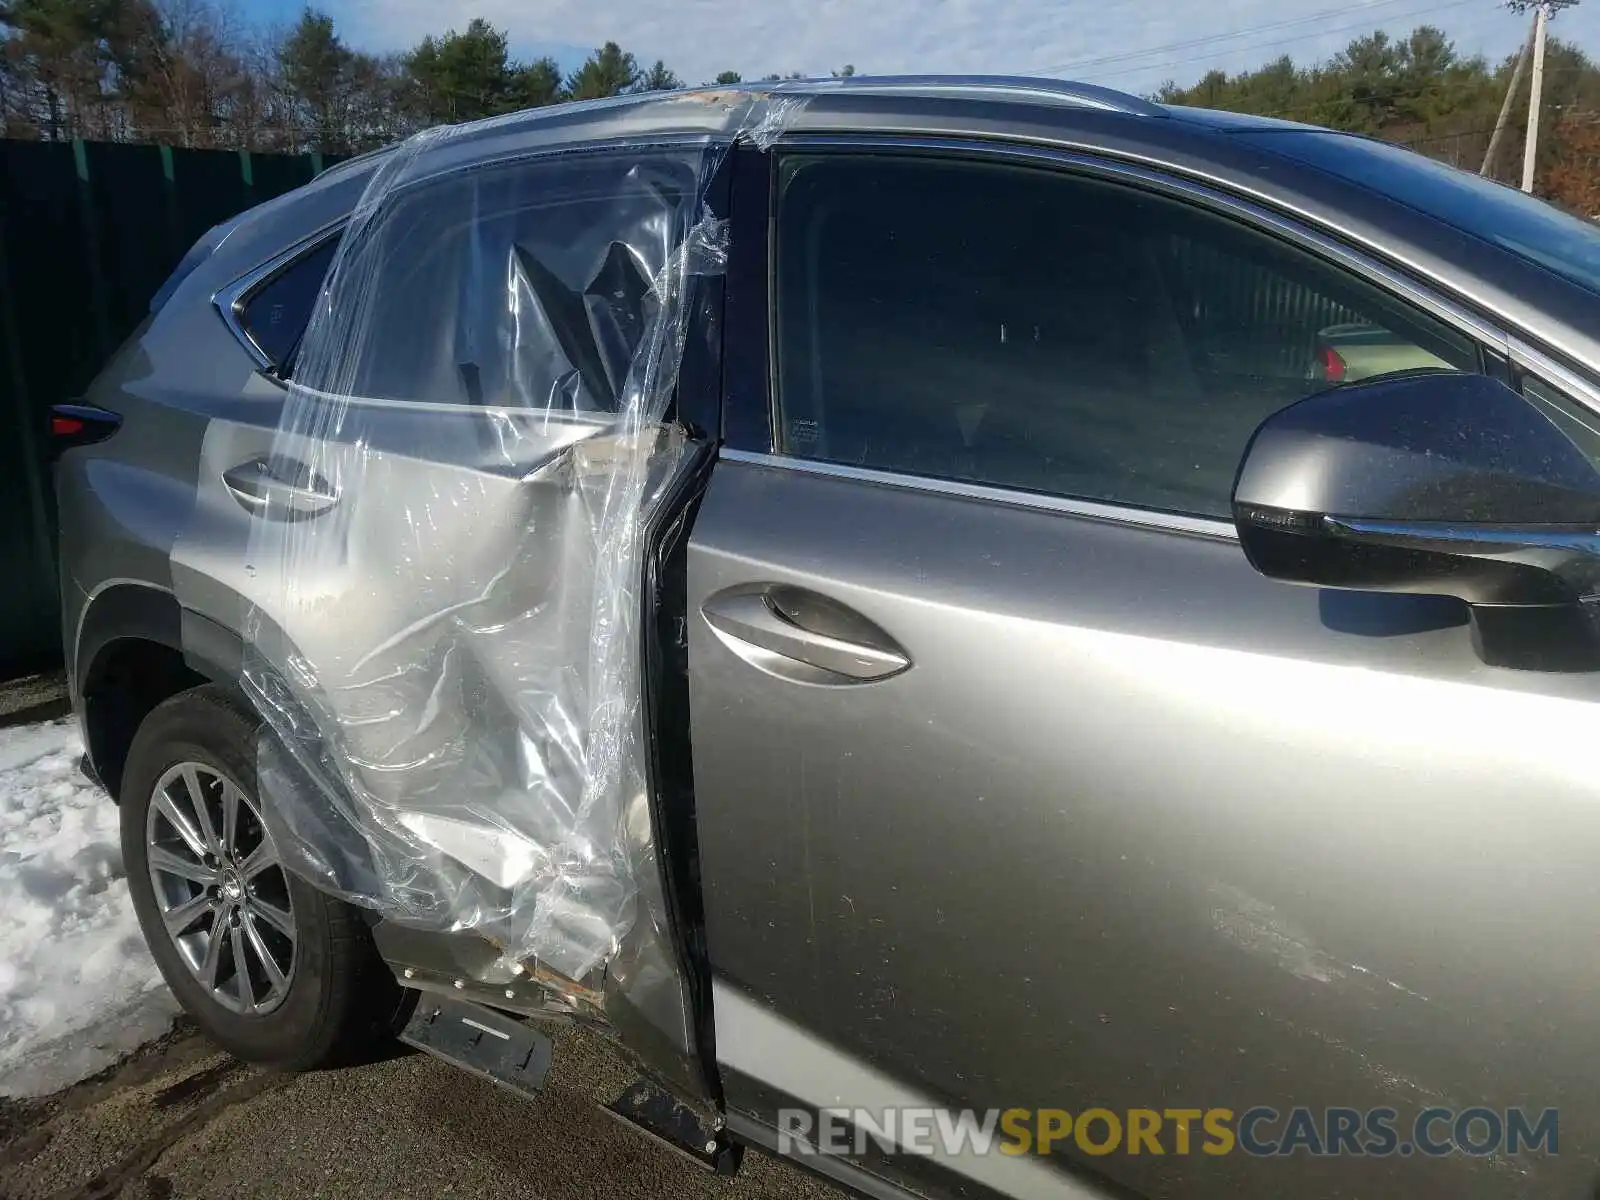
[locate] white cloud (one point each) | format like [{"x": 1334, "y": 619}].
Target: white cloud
[{"x": 1124, "y": 46}]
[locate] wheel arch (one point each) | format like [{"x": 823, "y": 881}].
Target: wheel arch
[{"x": 135, "y": 647}]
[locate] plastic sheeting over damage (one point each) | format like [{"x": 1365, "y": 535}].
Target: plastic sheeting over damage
[{"x": 444, "y": 638}]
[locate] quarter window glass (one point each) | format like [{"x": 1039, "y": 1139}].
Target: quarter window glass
[
  {"x": 1036, "y": 330},
  {"x": 276, "y": 313}
]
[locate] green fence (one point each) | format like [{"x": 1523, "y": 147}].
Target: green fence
[{"x": 88, "y": 232}]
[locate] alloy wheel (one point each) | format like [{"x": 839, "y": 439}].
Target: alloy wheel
[{"x": 221, "y": 889}]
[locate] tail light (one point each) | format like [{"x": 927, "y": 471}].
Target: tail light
[
  {"x": 79, "y": 425},
  {"x": 1330, "y": 366}
]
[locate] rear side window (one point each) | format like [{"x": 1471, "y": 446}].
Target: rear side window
[
  {"x": 523, "y": 285},
  {"x": 1037, "y": 330},
  {"x": 276, "y": 313}
]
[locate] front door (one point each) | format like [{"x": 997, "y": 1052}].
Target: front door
[{"x": 1018, "y": 788}]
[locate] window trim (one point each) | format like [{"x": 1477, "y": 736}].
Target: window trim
[
  {"x": 1489, "y": 336},
  {"x": 231, "y": 300},
  {"x": 1095, "y": 510},
  {"x": 1529, "y": 360}
]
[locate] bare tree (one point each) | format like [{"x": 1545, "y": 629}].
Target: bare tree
[{"x": 193, "y": 75}]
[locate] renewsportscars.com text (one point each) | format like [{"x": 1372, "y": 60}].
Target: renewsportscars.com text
[{"x": 1261, "y": 1131}]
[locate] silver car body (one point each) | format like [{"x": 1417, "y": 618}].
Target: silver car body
[{"x": 1127, "y": 825}]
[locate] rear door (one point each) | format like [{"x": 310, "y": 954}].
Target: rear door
[
  {"x": 409, "y": 543},
  {"x": 267, "y": 311},
  {"x": 1016, "y": 787}
]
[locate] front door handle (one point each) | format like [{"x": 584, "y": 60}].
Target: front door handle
[
  {"x": 281, "y": 489},
  {"x": 800, "y": 635}
]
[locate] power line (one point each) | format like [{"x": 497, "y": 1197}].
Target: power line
[{"x": 1440, "y": 137}]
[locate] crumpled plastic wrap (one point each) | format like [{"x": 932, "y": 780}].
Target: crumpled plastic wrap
[{"x": 444, "y": 636}]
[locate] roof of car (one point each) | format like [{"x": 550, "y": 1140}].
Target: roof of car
[
  {"x": 760, "y": 109},
  {"x": 1229, "y": 122},
  {"x": 763, "y": 110},
  {"x": 983, "y": 105}
]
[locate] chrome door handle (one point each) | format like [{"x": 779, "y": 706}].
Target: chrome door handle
[
  {"x": 767, "y": 626},
  {"x": 287, "y": 491}
]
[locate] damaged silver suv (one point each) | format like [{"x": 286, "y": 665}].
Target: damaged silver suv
[{"x": 803, "y": 579}]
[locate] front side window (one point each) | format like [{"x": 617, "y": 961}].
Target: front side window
[{"x": 1037, "y": 330}]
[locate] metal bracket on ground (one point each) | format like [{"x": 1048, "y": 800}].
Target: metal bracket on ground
[
  {"x": 491, "y": 1045},
  {"x": 662, "y": 1117}
]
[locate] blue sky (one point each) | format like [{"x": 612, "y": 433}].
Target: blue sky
[{"x": 1124, "y": 46}]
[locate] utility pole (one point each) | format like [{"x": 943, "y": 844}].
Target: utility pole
[
  {"x": 1530, "y": 150},
  {"x": 1504, "y": 119}
]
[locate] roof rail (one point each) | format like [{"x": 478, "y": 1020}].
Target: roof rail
[{"x": 1060, "y": 91}]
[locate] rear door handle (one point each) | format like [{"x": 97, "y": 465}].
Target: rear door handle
[
  {"x": 283, "y": 489},
  {"x": 798, "y": 634}
]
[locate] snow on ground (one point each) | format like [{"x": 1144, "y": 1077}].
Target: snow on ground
[{"x": 78, "y": 989}]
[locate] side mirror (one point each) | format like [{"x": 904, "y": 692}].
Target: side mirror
[{"x": 1434, "y": 483}]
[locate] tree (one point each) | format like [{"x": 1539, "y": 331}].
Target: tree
[
  {"x": 62, "y": 59},
  {"x": 462, "y": 76},
  {"x": 609, "y": 71},
  {"x": 659, "y": 79},
  {"x": 727, "y": 77},
  {"x": 1573, "y": 176},
  {"x": 313, "y": 68},
  {"x": 845, "y": 72},
  {"x": 1419, "y": 91},
  {"x": 1210, "y": 92},
  {"x": 1370, "y": 70},
  {"x": 375, "y": 102},
  {"x": 1571, "y": 96},
  {"x": 536, "y": 84},
  {"x": 186, "y": 79},
  {"x": 258, "y": 116}
]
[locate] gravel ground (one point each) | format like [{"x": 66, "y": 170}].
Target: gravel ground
[
  {"x": 28, "y": 698},
  {"x": 181, "y": 1120}
]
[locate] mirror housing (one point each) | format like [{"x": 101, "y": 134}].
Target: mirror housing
[{"x": 1436, "y": 483}]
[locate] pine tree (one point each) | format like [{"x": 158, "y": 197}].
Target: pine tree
[{"x": 609, "y": 71}]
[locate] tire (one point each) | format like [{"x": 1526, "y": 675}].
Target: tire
[{"x": 333, "y": 998}]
